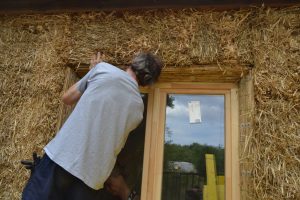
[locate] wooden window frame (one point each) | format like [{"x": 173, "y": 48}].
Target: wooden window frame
[
  {"x": 154, "y": 139},
  {"x": 233, "y": 80}
]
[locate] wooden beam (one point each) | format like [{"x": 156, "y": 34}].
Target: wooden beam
[
  {"x": 246, "y": 120},
  {"x": 235, "y": 168},
  {"x": 211, "y": 174},
  {"x": 225, "y": 73},
  {"x": 79, "y": 5}
]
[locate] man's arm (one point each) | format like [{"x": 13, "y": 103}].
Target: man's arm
[{"x": 71, "y": 96}]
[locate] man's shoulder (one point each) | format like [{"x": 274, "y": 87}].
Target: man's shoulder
[{"x": 107, "y": 66}]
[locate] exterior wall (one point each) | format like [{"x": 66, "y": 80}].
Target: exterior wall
[
  {"x": 34, "y": 49},
  {"x": 32, "y": 76}
]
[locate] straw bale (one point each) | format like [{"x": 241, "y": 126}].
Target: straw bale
[
  {"x": 31, "y": 81},
  {"x": 35, "y": 48},
  {"x": 275, "y": 148},
  {"x": 180, "y": 38}
]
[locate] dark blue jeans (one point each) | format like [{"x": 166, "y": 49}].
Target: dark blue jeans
[{"x": 49, "y": 181}]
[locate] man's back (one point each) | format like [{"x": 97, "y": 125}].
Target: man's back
[{"x": 91, "y": 138}]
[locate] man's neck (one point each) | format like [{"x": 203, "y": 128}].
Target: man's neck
[{"x": 131, "y": 74}]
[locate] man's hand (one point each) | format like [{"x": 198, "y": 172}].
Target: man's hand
[{"x": 96, "y": 59}]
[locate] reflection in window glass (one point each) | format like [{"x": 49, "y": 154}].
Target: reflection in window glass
[{"x": 194, "y": 128}]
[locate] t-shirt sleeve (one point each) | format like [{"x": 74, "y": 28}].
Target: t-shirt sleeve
[{"x": 82, "y": 83}]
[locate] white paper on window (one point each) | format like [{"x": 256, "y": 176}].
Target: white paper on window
[{"x": 194, "y": 112}]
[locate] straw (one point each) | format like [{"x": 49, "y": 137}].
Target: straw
[{"x": 35, "y": 49}]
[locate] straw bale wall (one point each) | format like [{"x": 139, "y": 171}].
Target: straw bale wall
[
  {"x": 32, "y": 76},
  {"x": 35, "y": 49}
]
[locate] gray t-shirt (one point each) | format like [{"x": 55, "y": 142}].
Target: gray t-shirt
[{"x": 89, "y": 141}]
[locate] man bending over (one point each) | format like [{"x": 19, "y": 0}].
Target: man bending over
[{"x": 82, "y": 155}]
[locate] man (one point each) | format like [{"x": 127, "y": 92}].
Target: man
[{"x": 82, "y": 155}]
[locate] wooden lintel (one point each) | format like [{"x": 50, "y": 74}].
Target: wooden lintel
[
  {"x": 226, "y": 73},
  {"x": 45, "y": 6}
]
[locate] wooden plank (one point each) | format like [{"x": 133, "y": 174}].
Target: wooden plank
[
  {"x": 94, "y": 5},
  {"x": 211, "y": 174},
  {"x": 221, "y": 192},
  {"x": 228, "y": 145},
  {"x": 235, "y": 144},
  {"x": 220, "y": 180},
  {"x": 203, "y": 86},
  {"x": 205, "y": 193},
  {"x": 215, "y": 189},
  {"x": 246, "y": 118},
  {"x": 147, "y": 150},
  {"x": 195, "y": 91},
  {"x": 153, "y": 146},
  {"x": 160, "y": 144},
  {"x": 225, "y": 73}
]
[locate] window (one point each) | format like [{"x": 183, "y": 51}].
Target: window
[
  {"x": 194, "y": 84},
  {"x": 172, "y": 169}
]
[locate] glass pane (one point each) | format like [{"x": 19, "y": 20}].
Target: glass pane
[{"x": 194, "y": 130}]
